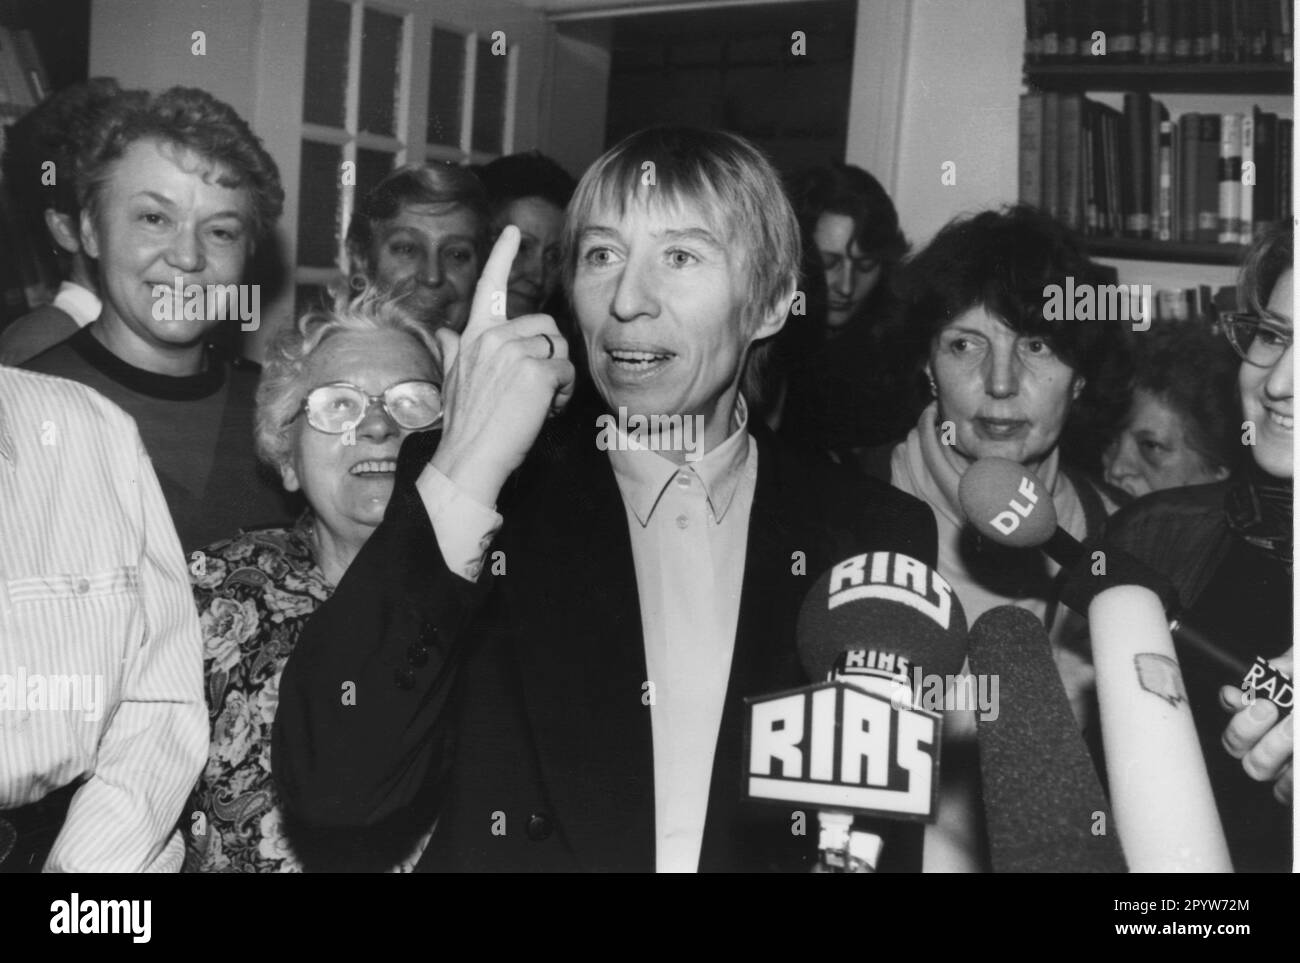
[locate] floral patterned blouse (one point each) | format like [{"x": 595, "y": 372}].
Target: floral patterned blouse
[{"x": 255, "y": 593}]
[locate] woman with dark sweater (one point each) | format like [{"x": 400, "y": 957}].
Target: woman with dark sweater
[
  {"x": 175, "y": 192},
  {"x": 847, "y": 385},
  {"x": 1227, "y": 549}
]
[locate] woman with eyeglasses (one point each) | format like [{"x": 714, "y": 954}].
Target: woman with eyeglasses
[
  {"x": 1227, "y": 549},
  {"x": 339, "y": 392}
]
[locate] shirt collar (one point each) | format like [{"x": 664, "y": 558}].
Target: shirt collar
[
  {"x": 80, "y": 304},
  {"x": 643, "y": 475}
]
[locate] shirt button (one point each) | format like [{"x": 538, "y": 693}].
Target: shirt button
[
  {"x": 682, "y": 521},
  {"x": 683, "y": 480},
  {"x": 83, "y": 586},
  {"x": 539, "y": 827}
]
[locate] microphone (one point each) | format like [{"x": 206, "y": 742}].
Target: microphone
[
  {"x": 859, "y": 742},
  {"x": 1044, "y": 806},
  {"x": 1008, "y": 505},
  {"x": 1164, "y": 806}
]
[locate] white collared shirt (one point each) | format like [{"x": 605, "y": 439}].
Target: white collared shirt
[
  {"x": 689, "y": 525},
  {"x": 80, "y": 304}
]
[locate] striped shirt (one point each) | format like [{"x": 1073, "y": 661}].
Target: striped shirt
[{"x": 100, "y": 653}]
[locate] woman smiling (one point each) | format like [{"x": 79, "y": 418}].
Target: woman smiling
[{"x": 339, "y": 393}]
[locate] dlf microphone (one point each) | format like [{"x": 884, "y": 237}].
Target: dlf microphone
[
  {"x": 1164, "y": 807},
  {"x": 1009, "y": 505},
  {"x": 1044, "y": 806},
  {"x": 856, "y": 743}
]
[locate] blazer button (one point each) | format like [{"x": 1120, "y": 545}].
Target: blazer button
[
  {"x": 417, "y": 655},
  {"x": 539, "y": 827},
  {"x": 405, "y": 678}
]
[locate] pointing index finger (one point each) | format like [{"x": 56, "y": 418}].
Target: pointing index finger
[{"x": 489, "y": 306}]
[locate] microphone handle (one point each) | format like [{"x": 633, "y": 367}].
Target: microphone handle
[
  {"x": 1067, "y": 551},
  {"x": 1193, "y": 638}
]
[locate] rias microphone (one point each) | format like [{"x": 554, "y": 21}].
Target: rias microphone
[{"x": 856, "y": 742}]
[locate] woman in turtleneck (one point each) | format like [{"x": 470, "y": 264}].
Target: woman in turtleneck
[
  {"x": 1005, "y": 381},
  {"x": 1227, "y": 548}
]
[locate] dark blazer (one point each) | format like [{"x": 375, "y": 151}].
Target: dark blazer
[{"x": 515, "y": 705}]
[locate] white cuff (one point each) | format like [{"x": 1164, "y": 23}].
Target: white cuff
[{"x": 464, "y": 527}]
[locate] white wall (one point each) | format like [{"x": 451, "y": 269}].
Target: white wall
[
  {"x": 574, "y": 125},
  {"x": 148, "y": 43},
  {"x": 937, "y": 81}
]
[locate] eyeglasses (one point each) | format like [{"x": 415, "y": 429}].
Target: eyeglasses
[
  {"x": 339, "y": 407},
  {"x": 1259, "y": 341}
]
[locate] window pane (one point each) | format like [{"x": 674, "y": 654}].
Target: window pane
[
  {"x": 381, "y": 47},
  {"x": 328, "y": 23},
  {"x": 372, "y": 167},
  {"x": 446, "y": 86},
  {"x": 489, "y": 99},
  {"x": 318, "y": 204}
]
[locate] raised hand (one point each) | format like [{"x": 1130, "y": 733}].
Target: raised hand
[{"x": 501, "y": 379}]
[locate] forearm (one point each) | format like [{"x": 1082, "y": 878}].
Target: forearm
[{"x": 365, "y": 713}]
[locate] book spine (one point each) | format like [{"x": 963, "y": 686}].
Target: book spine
[
  {"x": 1051, "y": 153},
  {"x": 1070, "y": 182},
  {"x": 1146, "y": 34},
  {"x": 1284, "y": 129},
  {"x": 1265, "y": 200},
  {"x": 1229, "y": 179},
  {"x": 1189, "y": 127},
  {"x": 1031, "y": 149},
  {"x": 1165, "y": 205},
  {"x": 1207, "y": 190},
  {"x": 1162, "y": 12},
  {"x": 1246, "y": 211}
]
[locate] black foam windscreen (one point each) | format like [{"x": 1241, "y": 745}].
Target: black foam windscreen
[
  {"x": 1099, "y": 567},
  {"x": 898, "y": 605},
  {"x": 1044, "y": 806}
]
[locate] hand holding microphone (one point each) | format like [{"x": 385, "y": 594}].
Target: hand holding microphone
[{"x": 1261, "y": 734}]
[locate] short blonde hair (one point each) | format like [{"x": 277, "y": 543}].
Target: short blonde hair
[
  {"x": 282, "y": 388},
  {"x": 727, "y": 177}
]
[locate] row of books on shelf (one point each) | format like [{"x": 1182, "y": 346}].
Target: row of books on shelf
[
  {"x": 1201, "y": 178},
  {"x": 23, "y": 83},
  {"x": 1159, "y": 31},
  {"x": 1202, "y": 305}
]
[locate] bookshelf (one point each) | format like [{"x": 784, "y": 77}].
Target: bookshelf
[{"x": 1133, "y": 146}]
